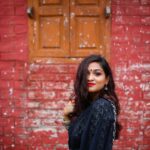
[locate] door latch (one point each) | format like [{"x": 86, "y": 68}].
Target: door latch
[
  {"x": 107, "y": 11},
  {"x": 30, "y": 12}
]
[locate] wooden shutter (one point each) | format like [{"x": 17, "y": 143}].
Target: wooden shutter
[
  {"x": 68, "y": 28},
  {"x": 88, "y": 27},
  {"x": 50, "y": 28}
]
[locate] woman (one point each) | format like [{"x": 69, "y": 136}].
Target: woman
[{"x": 91, "y": 116}]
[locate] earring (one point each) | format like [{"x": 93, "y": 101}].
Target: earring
[{"x": 106, "y": 88}]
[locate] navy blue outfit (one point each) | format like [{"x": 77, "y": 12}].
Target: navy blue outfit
[{"x": 95, "y": 128}]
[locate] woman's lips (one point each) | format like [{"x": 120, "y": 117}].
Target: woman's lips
[{"x": 91, "y": 84}]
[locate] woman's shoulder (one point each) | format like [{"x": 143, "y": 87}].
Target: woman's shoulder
[
  {"x": 102, "y": 102},
  {"x": 104, "y": 107}
]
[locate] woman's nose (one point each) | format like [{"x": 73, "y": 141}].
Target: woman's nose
[{"x": 90, "y": 77}]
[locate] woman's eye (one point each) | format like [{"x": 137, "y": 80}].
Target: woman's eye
[{"x": 97, "y": 73}]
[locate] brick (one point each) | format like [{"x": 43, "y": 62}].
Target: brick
[
  {"x": 146, "y": 115},
  {"x": 6, "y": 102},
  {"x": 6, "y": 65},
  {"x": 146, "y": 95},
  {"x": 145, "y": 2},
  {"x": 43, "y": 113},
  {"x": 141, "y": 66},
  {"x": 144, "y": 56},
  {"x": 7, "y": 37},
  {"x": 19, "y": 122},
  {"x": 6, "y": 3},
  {"x": 20, "y": 102},
  {"x": 132, "y": 30},
  {"x": 20, "y": 20},
  {"x": 6, "y": 20},
  {"x": 21, "y": 131},
  {"x": 19, "y": 85},
  {"x": 118, "y": 29},
  {"x": 63, "y": 137},
  {"x": 144, "y": 147},
  {"x": 48, "y": 68},
  {"x": 20, "y": 10},
  {"x": 7, "y": 10},
  {"x": 145, "y": 86},
  {"x": 21, "y": 147},
  {"x": 5, "y": 84},
  {"x": 127, "y": 20},
  {"x": 61, "y": 147},
  {"x": 48, "y": 122},
  {"x": 126, "y": 2},
  {"x": 7, "y": 47},
  {"x": 55, "y": 85},
  {"x": 14, "y": 56},
  {"x": 1, "y": 131},
  {"x": 34, "y": 85},
  {"x": 18, "y": 2},
  {"x": 145, "y": 76},
  {"x": 145, "y": 21},
  {"x": 141, "y": 10},
  {"x": 10, "y": 75},
  {"x": 37, "y": 143},
  {"x": 147, "y": 132},
  {"x": 117, "y": 10},
  {"x": 47, "y": 77},
  {"x": 7, "y": 29},
  {"x": 21, "y": 66},
  {"x": 73, "y": 68},
  {"x": 145, "y": 29},
  {"x": 64, "y": 94},
  {"x": 33, "y": 104},
  {"x": 6, "y": 94},
  {"x": 138, "y": 105},
  {"x": 13, "y": 20},
  {"x": 14, "y": 112},
  {"x": 1, "y": 140},
  {"x": 56, "y": 105},
  {"x": 8, "y": 140},
  {"x": 146, "y": 39},
  {"x": 9, "y": 130},
  {"x": 20, "y": 94},
  {"x": 131, "y": 10},
  {"x": 41, "y": 95},
  {"x": 33, "y": 123},
  {"x": 6, "y": 121},
  {"x": 20, "y": 29}
]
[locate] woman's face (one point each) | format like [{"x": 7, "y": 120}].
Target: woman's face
[{"x": 96, "y": 77}]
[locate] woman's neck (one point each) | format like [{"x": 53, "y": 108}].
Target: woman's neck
[{"x": 94, "y": 96}]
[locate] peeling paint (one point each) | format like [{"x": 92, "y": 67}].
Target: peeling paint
[
  {"x": 11, "y": 91},
  {"x": 72, "y": 15},
  {"x": 53, "y": 129}
]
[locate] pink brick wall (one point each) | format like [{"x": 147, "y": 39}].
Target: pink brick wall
[
  {"x": 32, "y": 96},
  {"x": 130, "y": 58}
]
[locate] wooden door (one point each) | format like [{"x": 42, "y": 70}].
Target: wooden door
[{"x": 68, "y": 28}]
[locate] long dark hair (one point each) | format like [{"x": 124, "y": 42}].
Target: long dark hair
[{"x": 81, "y": 95}]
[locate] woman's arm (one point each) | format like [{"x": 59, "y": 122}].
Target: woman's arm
[{"x": 99, "y": 131}]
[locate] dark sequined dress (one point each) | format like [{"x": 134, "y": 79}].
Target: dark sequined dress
[{"x": 95, "y": 128}]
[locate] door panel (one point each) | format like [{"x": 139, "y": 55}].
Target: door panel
[
  {"x": 50, "y": 28},
  {"x": 87, "y": 27}
]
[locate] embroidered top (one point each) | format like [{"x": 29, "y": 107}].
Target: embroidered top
[{"x": 95, "y": 128}]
